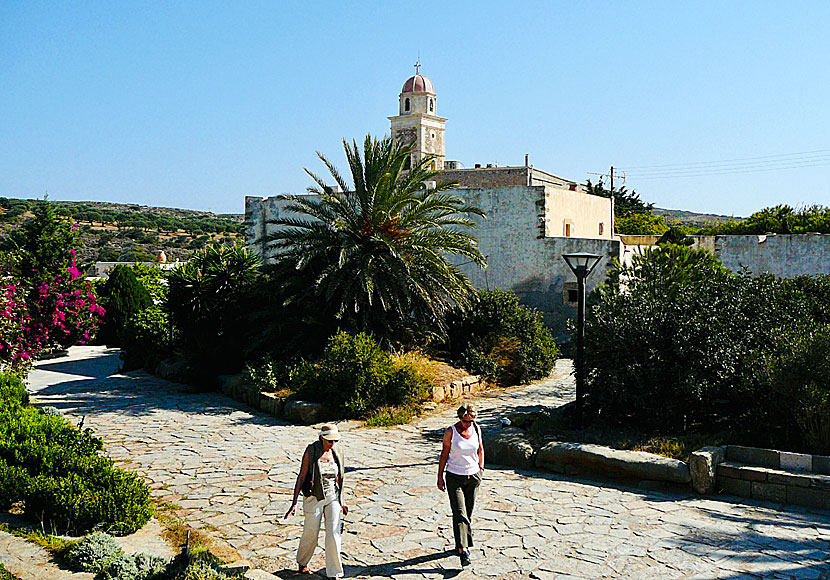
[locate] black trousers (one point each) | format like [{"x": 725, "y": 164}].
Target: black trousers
[{"x": 462, "y": 491}]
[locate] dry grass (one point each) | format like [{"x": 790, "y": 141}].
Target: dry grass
[
  {"x": 553, "y": 425},
  {"x": 175, "y": 532},
  {"x": 438, "y": 372}
]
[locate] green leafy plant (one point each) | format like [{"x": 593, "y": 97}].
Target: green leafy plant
[
  {"x": 135, "y": 567},
  {"x": 207, "y": 302},
  {"x": 354, "y": 376},
  {"x": 501, "y": 339},
  {"x": 94, "y": 553},
  {"x": 123, "y": 296},
  {"x": 145, "y": 338},
  {"x": 801, "y": 375},
  {"x": 675, "y": 343},
  {"x": 56, "y": 472}
]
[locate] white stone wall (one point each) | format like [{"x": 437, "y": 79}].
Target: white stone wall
[
  {"x": 784, "y": 255},
  {"x": 519, "y": 255},
  {"x": 520, "y": 258}
]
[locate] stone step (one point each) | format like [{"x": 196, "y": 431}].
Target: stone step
[{"x": 789, "y": 486}]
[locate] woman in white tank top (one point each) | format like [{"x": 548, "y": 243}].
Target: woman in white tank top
[{"x": 459, "y": 472}]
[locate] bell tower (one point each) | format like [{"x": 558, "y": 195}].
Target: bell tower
[{"x": 417, "y": 121}]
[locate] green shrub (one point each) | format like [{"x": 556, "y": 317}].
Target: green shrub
[
  {"x": 94, "y": 553},
  {"x": 686, "y": 344},
  {"x": 145, "y": 338},
  {"x": 14, "y": 482},
  {"x": 501, "y": 339},
  {"x": 13, "y": 390},
  {"x": 123, "y": 296},
  {"x": 268, "y": 375},
  {"x": 801, "y": 377},
  {"x": 103, "y": 496},
  {"x": 207, "y": 570},
  {"x": 354, "y": 375},
  {"x": 207, "y": 303},
  {"x": 135, "y": 567},
  {"x": 56, "y": 471}
]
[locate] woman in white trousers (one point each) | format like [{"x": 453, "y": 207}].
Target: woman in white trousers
[{"x": 321, "y": 481}]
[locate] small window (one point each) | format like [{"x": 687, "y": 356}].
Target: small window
[
  {"x": 431, "y": 106},
  {"x": 601, "y": 228},
  {"x": 406, "y": 104},
  {"x": 567, "y": 230},
  {"x": 570, "y": 293}
]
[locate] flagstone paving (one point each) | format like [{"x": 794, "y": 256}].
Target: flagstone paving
[{"x": 230, "y": 471}]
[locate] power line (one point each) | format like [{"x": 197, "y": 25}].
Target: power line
[
  {"x": 732, "y": 166},
  {"x": 822, "y": 151}
]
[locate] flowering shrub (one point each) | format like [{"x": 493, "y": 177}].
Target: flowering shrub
[{"x": 44, "y": 300}]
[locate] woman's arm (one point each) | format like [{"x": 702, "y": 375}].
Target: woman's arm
[
  {"x": 480, "y": 448},
  {"x": 299, "y": 484},
  {"x": 445, "y": 454}
]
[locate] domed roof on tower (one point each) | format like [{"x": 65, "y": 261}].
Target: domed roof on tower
[{"x": 418, "y": 83}]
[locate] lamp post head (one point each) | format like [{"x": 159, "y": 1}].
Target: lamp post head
[{"x": 581, "y": 263}]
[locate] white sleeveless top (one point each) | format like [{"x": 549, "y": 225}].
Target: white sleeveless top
[
  {"x": 328, "y": 477},
  {"x": 463, "y": 459}
]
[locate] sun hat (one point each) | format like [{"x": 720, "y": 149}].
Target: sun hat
[
  {"x": 467, "y": 409},
  {"x": 330, "y": 433}
]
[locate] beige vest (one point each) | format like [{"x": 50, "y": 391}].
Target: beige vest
[{"x": 313, "y": 484}]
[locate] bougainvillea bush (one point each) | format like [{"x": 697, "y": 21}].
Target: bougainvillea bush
[{"x": 44, "y": 300}]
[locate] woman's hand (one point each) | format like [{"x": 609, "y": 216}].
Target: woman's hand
[
  {"x": 345, "y": 509},
  {"x": 291, "y": 510},
  {"x": 440, "y": 483}
]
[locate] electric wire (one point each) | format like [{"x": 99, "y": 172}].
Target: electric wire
[{"x": 784, "y": 161}]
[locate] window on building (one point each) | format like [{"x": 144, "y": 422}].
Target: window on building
[
  {"x": 431, "y": 106},
  {"x": 406, "y": 104},
  {"x": 567, "y": 230},
  {"x": 601, "y": 228},
  {"x": 570, "y": 293}
]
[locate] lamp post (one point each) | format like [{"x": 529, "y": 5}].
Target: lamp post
[{"x": 582, "y": 264}]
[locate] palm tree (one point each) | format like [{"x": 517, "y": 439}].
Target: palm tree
[{"x": 374, "y": 254}]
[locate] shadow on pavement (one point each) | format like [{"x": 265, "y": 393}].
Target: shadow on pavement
[
  {"x": 101, "y": 365},
  {"x": 764, "y": 554},
  {"x": 389, "y": 569},
  {"x": 139, "y": 394}
]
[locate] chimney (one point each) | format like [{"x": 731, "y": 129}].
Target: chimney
[{"x": 527, "y": 159}]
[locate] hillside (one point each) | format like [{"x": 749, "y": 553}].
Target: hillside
[
  {"x": 690, "y": 218},
  {"x": 113, "y": 232}
]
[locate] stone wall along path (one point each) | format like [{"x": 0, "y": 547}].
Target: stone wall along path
[{"x": 230, "y": 470}]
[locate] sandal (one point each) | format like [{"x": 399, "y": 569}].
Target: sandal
[{"x": 304, "y": 570}]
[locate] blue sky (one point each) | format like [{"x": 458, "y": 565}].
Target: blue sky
[{"x": 198, "y": 104}]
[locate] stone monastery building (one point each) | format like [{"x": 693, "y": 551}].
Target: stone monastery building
[{"x": 533, "y": 217}]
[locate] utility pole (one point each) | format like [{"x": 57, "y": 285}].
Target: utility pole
[{"x": 610, "y": 175}]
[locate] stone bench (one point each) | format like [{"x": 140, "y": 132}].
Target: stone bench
[
  {"x": 582, "y": 458},
  {"x": 778, "y": 476}
]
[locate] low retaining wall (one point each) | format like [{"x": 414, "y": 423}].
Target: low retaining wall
[
  {"x": 779, "y": 476},
  {"x": 307, "y": 413},
  {"x": 561, "y": 457}
]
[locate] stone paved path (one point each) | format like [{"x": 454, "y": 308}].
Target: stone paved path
[{"x": 231, "y": 471}]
